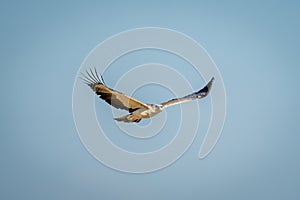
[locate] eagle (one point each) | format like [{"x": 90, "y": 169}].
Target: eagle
[{"x": 137, "y": 109}]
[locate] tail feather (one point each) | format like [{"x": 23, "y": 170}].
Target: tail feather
[{"x": 129, "y": 118}]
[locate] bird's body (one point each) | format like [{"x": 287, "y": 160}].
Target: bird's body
[
  {"x": 153, "y": 110},
  {"x": 137, "y": 110},
  {"x": 138, "y": 114}
]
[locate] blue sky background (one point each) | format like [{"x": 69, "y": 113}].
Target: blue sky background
[{"x": 255, "y": 46}]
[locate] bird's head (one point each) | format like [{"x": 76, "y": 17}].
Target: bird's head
[{"x": 157, "y": 106}]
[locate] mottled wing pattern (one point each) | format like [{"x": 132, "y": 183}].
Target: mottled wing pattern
[
  {"x": 196, "y": 95},
  {"x": 112, "y": 97}
]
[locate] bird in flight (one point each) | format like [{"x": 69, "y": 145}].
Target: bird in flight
[{"x": 137, "y": 109}]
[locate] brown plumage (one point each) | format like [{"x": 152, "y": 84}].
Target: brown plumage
[{"x": 137, "y": 109}]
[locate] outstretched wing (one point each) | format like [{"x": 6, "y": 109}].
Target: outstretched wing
[
  {"x": 196, "y": 95},
  {"x": 112, "y": 97}
]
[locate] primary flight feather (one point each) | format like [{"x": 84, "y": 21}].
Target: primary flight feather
[{"x": 137, "y": 109}]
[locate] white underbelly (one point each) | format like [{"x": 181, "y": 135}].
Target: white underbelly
[{"x": 148, "y": 113}]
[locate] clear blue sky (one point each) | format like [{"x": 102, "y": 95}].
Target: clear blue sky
[{"x": 255, "y": 46}]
